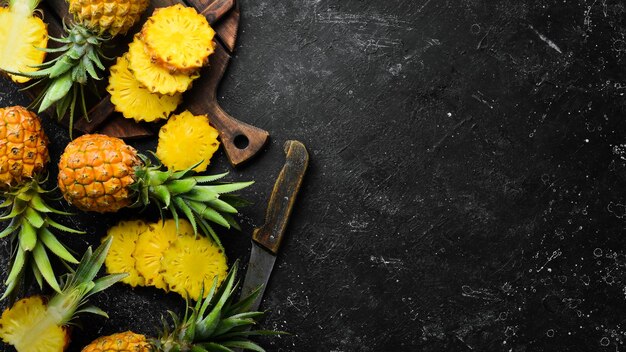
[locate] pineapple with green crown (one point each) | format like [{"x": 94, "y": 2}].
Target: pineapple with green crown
[
  {"x": 27, "y": 216},
  {"x": 80, "y": 59},
  {"x": 216, "y": 323},
  {"x": 37, "y": 324}
]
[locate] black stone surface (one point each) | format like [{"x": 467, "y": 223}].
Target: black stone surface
[{"x": 466, "y": 183}]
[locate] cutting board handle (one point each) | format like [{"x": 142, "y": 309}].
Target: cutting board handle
[{"x": 240, "y": 140}]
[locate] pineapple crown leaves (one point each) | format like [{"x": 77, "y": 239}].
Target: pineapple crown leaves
[
  {"x": 201, "y": 199},
  {"x": 28, "y": 6},
  {"x": 216, "y": 323},
  {"x": 81, "y": 284},
  {"x": 66, "y": 76},
  {"x": 30, "y": 229}
]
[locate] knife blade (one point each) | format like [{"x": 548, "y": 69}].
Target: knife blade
[{"x": 266, "y": 239}]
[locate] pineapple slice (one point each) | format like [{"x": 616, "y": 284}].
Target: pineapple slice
[
  {"x": 120, "y": 258},
  {"x": 152, "y": 244},
  {"x": 27, "y": 318},
  {"x": 135, "y": 101},
  {"x": 191, "y": 264},
  {"x": 154, "y": 77},
  {"x": 23, "y": 36},
  {"x": 178, "y": 38},
  {"x": 185, "y": 140}
]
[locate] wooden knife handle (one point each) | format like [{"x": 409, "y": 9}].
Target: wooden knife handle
[{"x": 283, "y": 197}]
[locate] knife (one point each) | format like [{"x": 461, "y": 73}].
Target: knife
[{"x": 266, "y": 239}]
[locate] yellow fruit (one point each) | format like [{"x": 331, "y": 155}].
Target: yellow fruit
[
  {"x": 186, "y": 140},
  {"x": 154, "y": 77},
  {"x": 191, "y": 264},
  {"x": 120, "y": 258},
  {"x": 23, "y": 146},
  {"x": 27, "y": 319},
  {"x": 95, "y": 172},
  {"x": 133, "y": 100},
  {"x": 111, "y": 16},
  {"x": 121, "y": 342},
  {"x": 23, "y": 36},
  {"x": 178, "y": 38},
  {"x": 152, "y": 244}
]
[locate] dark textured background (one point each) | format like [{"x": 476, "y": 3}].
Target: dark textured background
[{"x": 466, "y": 183}]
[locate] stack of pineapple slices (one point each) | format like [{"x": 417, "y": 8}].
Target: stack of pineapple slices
[
  {"x": 156, "y": 255},
  {"x": 147, "y": 82}
]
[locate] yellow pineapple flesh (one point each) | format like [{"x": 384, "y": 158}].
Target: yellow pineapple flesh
[
  {"x": 133, "y": 100},
  {"x": 178, "y": 38},
  {"x": 28, "y": 317},
  {"x": 96, "y": 171},
  {"x": 150, "y": 248},
  {"x": 120, "y": 258},
  {"x": 155, "y": 78},
  {"x": 23, "y": 146},
  {"x": 111, "y": 16},
  {"x": 121, "y": 342},
  {"x": 186, "y": 140},
  {"x": 23, "y": 36},
  {"x": 191, "y": 264}
]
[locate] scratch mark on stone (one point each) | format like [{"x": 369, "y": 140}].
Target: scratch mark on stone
[
  {"x": 444, "y": 138},
  {"x": 546, "y": 40}
]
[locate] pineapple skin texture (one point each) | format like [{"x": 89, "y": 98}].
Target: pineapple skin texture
[
  {"x": 96, "y": 172},
  {"x": 23, "y": 146},
  {"x": 121, "y": 342},
  {"x": 111, "y": 16}
]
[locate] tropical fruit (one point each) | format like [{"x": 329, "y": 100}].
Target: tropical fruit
[
  {"x": 23, "y": 36},
  {"x": 178, "y": 38},
  {"x": 103, "y": 174},
  {"x": 133, "y": 100},
  {"x": 35, "y": 324},
  {"x": 215, "y": 323},
  {"x": 23, "y": 157},
  {"x": 187, "y": 140},
  {"x": 108, "y": 16}
]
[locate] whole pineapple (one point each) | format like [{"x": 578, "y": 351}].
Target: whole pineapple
[
  {"x": 96, "y": 22},
  {"x": 23, "y": 157},
  {"x": 36, "y": 324},
  {"x": 103, "y": 174},
  {"x": 216, "y": 323}
]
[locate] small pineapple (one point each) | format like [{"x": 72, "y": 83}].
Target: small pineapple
[
  {"x": 23, "y": 157},
  {"x": 103, "y": 174},
  {"x": 178, "y": 38},
  {"x": 34, "y": 324},
  {"x": 111, "y": 16},
  {"x": 133, "y": 100},
  {"x": 23, "y": 36},
  {"x": 215, "y": 323},
  {"x": 155, "y": 78},
  {"x": 185, "y": 140}
]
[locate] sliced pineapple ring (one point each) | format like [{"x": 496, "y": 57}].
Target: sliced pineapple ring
[
  {"x": 133, "y": 100},
  {"x": 23, "y": 37},
  {"x": 152, "y": 244},
  {"x": 120, "y": 257},
  {"x": 154, "y": 77},
  {"x": 185, "y": 140},
  {"x": 27, "y": 318},
  {"x": 178, "y": 38},
  {"x": 191, "y": 264}
]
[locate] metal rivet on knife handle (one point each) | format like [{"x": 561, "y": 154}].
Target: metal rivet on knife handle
[{"x": 270, "y": 235}]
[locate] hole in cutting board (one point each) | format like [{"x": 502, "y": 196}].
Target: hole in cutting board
[{"x": 241, "y": 141}]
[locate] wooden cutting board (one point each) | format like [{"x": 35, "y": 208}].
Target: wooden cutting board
[{"x": 241, "y": 141}]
